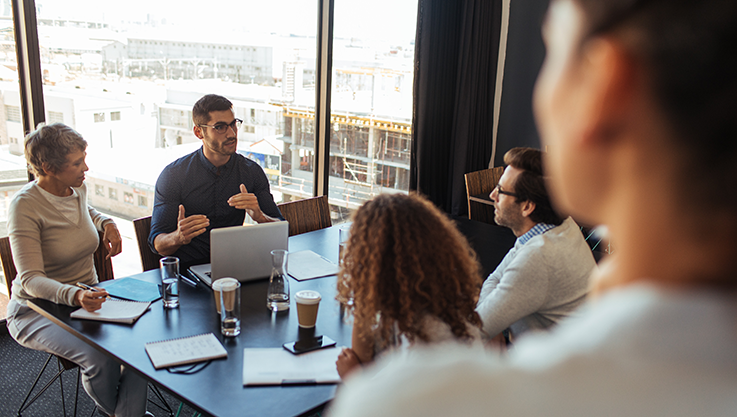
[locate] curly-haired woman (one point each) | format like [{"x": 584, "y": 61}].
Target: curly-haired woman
[{"x": 408, "y": 277}]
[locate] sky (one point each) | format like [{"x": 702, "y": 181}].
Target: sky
[{"x": 376, "y": 19}]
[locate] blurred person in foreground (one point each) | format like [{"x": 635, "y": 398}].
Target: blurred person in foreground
[
  {"x": 409, "y": 277},
  {"x": 636, "y": 104},
  {"x": 544, "y": 277},
  {"x": 54, "y": 235}
]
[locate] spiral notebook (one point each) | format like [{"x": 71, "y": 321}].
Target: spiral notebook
[
  {"x": 114, "y": 311},
  {"x": 185, "y": 350}
]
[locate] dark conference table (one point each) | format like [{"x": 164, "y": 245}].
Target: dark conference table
[{"x": 218, "y": 389}]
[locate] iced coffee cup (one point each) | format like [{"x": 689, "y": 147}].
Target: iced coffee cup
[
  {"x": 307, "y": 303},
  {"x": 217, "y": 286}
]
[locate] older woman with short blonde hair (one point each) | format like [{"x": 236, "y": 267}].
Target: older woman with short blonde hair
[{"x": 54, "y": 234}]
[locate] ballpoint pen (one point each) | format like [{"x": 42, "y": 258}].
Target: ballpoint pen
[
  {"x": 91, "y": 288},
  {"x": 87, "y": 287},
  {"x": 188, "y": 280}
]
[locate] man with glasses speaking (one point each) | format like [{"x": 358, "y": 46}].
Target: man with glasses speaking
[
  {"x": 545, "y": 276},
  {"x": 212, "y": 187}
]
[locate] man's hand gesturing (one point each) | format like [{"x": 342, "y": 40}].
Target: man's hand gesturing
[{"x": 190, "y": 227}]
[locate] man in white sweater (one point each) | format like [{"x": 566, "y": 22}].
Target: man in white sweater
[{"x": 545, "y": 276}]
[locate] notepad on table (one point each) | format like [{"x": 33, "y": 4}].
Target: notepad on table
[
  {"x": 306, "y": 264},
  {"x": 185, "y": 350},
  {"x": 277, "y": 366},
  {"x": 114, "y": 311}
]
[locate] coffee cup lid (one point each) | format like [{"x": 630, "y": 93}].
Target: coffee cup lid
[
  {"x": 226, "y": 283},
  {"x": 308, "y": 297}
]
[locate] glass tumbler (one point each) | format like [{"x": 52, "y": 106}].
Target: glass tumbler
[
  {"x": 170, "y": 281},
  {"x": 344, "y": 233}
]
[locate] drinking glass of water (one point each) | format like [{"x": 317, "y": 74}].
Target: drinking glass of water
[
  {"x": 277, "y": 297},
  {"x": 170, "y": 281}
]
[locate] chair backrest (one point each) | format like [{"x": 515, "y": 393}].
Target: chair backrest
[
  {"x": 103, "y": 266},
  {"x": 481, "y": 183},
  {"x": 149, "y": 259},
  {"x": 306, "y": 215},
  {"x": 6, "y": 255}
]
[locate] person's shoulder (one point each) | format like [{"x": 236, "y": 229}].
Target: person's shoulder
[
  {"x": 179, "y": 166},
  {"x": 184, "y": 160},
  {"x": 28, "y": 193},
  {"x": 566, "y": 237},
  {"x": 26, "y": 203},
  {"x": 621, "y": 347},
  {"x": 431, "y": 381}
]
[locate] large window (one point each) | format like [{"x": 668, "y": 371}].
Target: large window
[
  {"x": 12, "y": 163},
  {"x": 371, "y": 99},
  {"x": 126, "y": 74}
]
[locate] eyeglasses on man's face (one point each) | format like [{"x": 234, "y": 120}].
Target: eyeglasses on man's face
[
  {"x": 222, "y": 127},
  {"x": 499, "y": 190}
]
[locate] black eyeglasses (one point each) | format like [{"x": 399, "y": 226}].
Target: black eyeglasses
[
  {"x": 223, "y": 127},
  {"x": 499, "y": 190}
]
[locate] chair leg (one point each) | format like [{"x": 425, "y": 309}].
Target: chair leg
[
  {"x": 27, "y": 403},
  {"x": 60, "y": 371},
  {"x": 76, "y": 391},
  {"x": 158, "y": 395},
  {"x": 61, "y": 387}
]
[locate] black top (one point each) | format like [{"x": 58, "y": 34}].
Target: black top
[{"x": 202, "y": 188}]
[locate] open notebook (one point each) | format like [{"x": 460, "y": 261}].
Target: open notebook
[{"x": 114, "y": 311}]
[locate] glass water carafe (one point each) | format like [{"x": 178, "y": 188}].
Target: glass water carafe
[{"x": 277, "y": 297}]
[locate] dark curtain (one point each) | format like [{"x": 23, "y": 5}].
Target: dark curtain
[
  {"x": 525, "y": 55},
  {"x": 456, "y": 51}
]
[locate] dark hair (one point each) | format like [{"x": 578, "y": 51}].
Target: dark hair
[
  {"x": 688, "y": 49},
  {"x": 530, "y": 184},
  {"x": 50, "y": 145},
  {"x": 203, "y": 107},
  {"x": 405, "y": 260}
]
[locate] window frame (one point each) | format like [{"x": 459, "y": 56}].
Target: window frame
[{"x": 32, "y": 101}]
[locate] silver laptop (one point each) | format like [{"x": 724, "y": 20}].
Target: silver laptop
[{"x": 242, "y": 252}]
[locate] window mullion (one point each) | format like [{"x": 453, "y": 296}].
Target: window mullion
[
  {"x": 322, "y": 97},
  {"x": 29, "y": 63}
]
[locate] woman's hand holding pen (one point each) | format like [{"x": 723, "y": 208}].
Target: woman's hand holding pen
[{"x": 90, "y": 298}]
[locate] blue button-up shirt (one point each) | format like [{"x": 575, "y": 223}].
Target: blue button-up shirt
[{"x": 202, "y": 188}]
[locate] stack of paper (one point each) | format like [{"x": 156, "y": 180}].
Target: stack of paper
[
  {"x": 306, "y": 264},
  {"x": 277, "y": 366}
]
